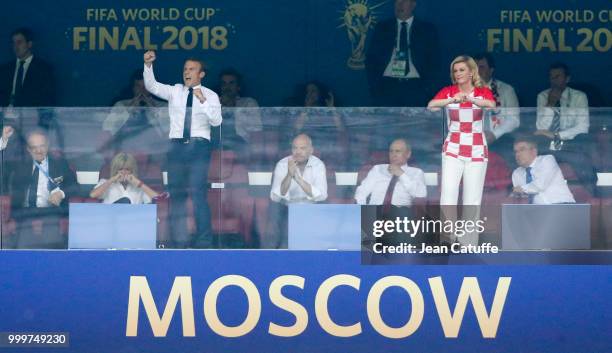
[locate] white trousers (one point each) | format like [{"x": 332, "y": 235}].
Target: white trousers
[{"x": 473, "y": 174}]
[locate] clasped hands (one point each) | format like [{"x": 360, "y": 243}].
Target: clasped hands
[
  {"x": 293, "y": 169},
  {"x": 126, "y": 177},
  {"x": 462, "y": 98}
]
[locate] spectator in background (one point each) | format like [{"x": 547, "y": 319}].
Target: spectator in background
[
  {"x": 243, "y": 117},
  {"x": 401, "y": 59},
  {"x": 27, "y": 81},
  {"x": 538, "y": 178},
  {"x": 124, "y": 185},
  {"x": 563, "y": 112},
  {"x": 322, "y": 122},
  {"x": 563, "y": 124},
  {"x": 395, "y": 183},
  {"x": 136, "y": 122},
  {"x": 504, "y": 120},
  {"x": 298, "y": 178},
  {"x": 40, "y": 189}
]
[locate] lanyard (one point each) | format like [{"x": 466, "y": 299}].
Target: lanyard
[{"x": 45, "y": 173}]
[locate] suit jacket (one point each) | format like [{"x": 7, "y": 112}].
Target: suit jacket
[
  {"x": 38, "y": 85},
  {"x": 423, "y": 49},
  {"x": 58, "y": 167}
]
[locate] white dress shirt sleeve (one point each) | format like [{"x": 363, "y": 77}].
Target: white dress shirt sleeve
[
  {"x": 367, "y": 186},
  {"x": 159, "y": 89},
  {"x": 3, "y": 143},
  {"x": 280, "y": 171},
  {"x": 545, "y": 114},
  {"x": 578, "y": 112},
  {"x": 414, "y": 184},
  {"x": 212, "y": 109},
  {"x": 510, "y": 112},
  {"x": 318, "y": 186},
  {"x": 543, "y": 175}
]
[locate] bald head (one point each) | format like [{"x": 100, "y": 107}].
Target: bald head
[{"x": 301, "y": 148}]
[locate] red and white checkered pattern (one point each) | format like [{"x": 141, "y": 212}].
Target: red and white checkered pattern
[{"x": 465, "y": 139}]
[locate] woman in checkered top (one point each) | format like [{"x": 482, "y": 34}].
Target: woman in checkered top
[{"x": 464, "y": 154}]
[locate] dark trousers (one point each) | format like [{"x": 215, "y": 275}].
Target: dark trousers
[
  {"x": 188, "y": 176},
  {"x": 393, "y": 92},
  {"x": 276, "y": 234},
  {"x": 38, "y": 228}
]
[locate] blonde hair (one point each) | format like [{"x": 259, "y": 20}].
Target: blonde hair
[
  {"x": 123, "y": 161},
  {"x": 471, "y": 64}
]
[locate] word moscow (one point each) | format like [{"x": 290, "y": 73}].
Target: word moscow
[{"x": 181, "y": 291}]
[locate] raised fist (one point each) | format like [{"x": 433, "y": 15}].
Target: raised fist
[{"x": 149, "y": 57}]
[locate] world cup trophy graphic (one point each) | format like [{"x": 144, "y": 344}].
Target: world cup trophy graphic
[{"x": 358, "y": 17}]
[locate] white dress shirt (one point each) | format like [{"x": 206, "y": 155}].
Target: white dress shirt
[
  {"x": 314, "y": 174},
  {"x": 409, "y": 185},
  {"x": 247, "y": 117},
  {"x": 413, "y": 71},
  {"x": 507, "y": 117},
  {"x": 574, "y": 113},
  {"x": 122, "y": 111},
  {"x": 26, "y": 65},
  {"x": 116, "y": 191},
  {"x": 204, "y": 115},
  {"x": 42, "y": 190},
  {"x": 3, "y": 143},
  {"x": 548, "y": 183}
]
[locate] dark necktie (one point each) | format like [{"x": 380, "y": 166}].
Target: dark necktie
[
  {"x": 529, "y": 179},
  {"x": 19, "y": 78},
  {"x": 495, "y": 92},
  {"x": 389, "y": 195},
  {"x": 555, "y": 125},
  {"x": 403, "y": 46},
  {"x": 33, "y": 189},
  {"x": 188, "y": 110}
]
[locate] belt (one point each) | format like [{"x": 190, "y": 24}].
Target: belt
[{"x": 186, "y": 141}]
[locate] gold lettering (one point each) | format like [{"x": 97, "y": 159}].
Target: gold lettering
[
  {"x": 469, "y": 290},
  {"x": 277, "y": 298},
  {"x": 140, "y": 291},
  {"x": 321, "y": 309},
  {"x": 131, "y": 39},
  {"x": 545, "y": 40},
  {"x": 210, "y": 306},
  {"x": 416, "y": 314},
  {"x": 78, "y": 37}
]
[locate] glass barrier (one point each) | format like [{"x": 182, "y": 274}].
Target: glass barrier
[{"x": 68, "y": 174}]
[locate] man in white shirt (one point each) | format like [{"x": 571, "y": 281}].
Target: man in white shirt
[
  {"x": 246, "y": 117},
  {"x": 505, "y": 119},
  {"x": 563, "y": 112},
  {"x": 193, "y": 109},
  {"x": 539, "y": 178},
  {"x": 138, "y": 122},
  {"x": 395, "y": 183},
  {"x": 563, "y": 125},
  {"x": 298, "y": 178}
]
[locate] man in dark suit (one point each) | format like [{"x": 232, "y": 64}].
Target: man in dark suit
[
  {"x": 27, "y": 81},
  {"x": 40, "y": 188},
  {"x": 401, "y": 59}
]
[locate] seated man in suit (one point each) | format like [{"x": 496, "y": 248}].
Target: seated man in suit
[
  {"x": 539, "y": 178},
  {"x": 298, "y": 178},
  {"x": 395, "y": 183},
  {"x": 40, "y": 189},
  {"x": 563, "y": 125}
]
